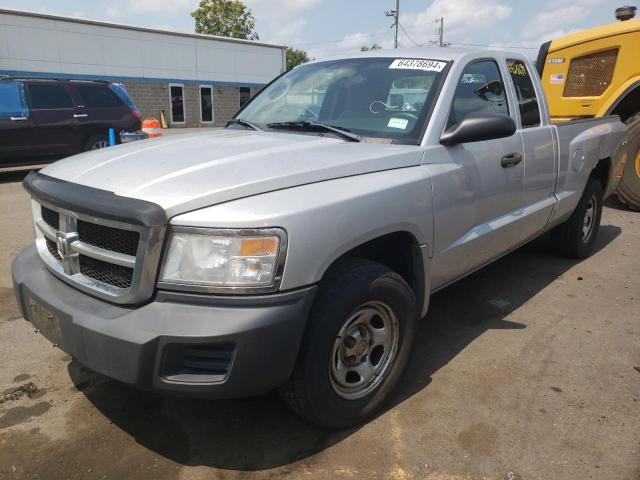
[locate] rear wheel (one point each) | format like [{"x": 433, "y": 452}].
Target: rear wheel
[
  {"x": 357, "y": 343},
  {"x": 95, "y": 142},
  {"x": 575, "y": 237},
  {"x": 629, "y": 188}
]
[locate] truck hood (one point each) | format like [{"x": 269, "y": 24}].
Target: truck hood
[{"x": 190, "y": 171}]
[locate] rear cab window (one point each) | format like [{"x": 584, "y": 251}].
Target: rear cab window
[
  {"x": 12, "y": 101},
  {"x": 525, "y": 92},
  {"x": 43, "y": 96},
  {"x": 480, "y": 91}
]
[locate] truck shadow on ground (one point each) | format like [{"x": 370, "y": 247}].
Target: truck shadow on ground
[{"x": 261, "y": 433}]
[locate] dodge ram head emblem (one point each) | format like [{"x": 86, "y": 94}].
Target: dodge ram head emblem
[{"x": 62, "y": 244}]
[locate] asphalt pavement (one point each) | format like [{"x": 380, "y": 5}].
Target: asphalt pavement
[{"x": 527, "y": 369}]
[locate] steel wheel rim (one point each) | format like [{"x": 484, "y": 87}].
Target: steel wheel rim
[
  {"x": 364, "y": 350},
  {"x": 637, "y": 163},
  {"x": 99, "y": 144},
  {"x": 589, "y": 220}
]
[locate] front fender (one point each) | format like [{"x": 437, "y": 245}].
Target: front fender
[{"x": 327, "y": 219}]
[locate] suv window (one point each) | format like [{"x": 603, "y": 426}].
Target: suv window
[
  {"x": 49, "y": 96},
  {"x": 12, "y": 102},
  {"x": 98, "y": 97},
  {"x": 527, "y": 101},
  {"x": 480, "y": 91}
]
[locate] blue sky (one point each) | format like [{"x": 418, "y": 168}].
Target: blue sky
[{"x": 328, "y": 27}]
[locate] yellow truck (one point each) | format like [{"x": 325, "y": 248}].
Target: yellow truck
[{"x": 594, "y": 73}]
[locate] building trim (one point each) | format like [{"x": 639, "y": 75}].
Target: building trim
[
  {"x": 26, "y": 13},
  {"x": 118, "y": 78}
]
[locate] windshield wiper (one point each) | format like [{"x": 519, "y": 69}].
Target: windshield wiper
[
  {"x": 244, "y": 123},
  {"x": 316, "y": 127}
]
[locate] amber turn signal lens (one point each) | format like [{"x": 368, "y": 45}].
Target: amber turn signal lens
[{"x": 259, "y": 247}]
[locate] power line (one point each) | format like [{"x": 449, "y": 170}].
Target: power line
[
  {"x": 492, "y": 46},
  {"x": 408, "y": 36}
]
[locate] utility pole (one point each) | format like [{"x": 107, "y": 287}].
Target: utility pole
[
  {"x": 396, "y": 15},
  {"x": 440, "y": 31}
]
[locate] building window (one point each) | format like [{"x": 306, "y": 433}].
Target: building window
[
  {"x": 245, "y": 95},
  {"x": 176, "y": 93},
  {"x": 206, "y": 104}
]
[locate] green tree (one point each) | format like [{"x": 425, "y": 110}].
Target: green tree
[
  {"x": 296, "y": 57},
  {"x": 366, "y": 48},
  {"x": 225, "y": 18}
]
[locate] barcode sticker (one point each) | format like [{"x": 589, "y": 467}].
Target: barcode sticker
[{"x": 417, "y": 64}]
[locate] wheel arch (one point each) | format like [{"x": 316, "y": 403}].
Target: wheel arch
[
  {"x": 626, "y": 103},
  {"x": 401, "y": 252}
]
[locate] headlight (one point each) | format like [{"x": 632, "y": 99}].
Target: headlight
[{"x": 224, "y": 260}]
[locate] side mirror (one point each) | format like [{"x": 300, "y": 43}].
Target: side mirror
[{"x": 478, "y": 128}]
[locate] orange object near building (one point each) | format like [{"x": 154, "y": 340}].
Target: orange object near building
[{"x": 151, "y": 126}]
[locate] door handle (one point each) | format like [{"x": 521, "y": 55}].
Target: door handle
[
  {"x": 511, "y": 159},
  {"x": 18, "y": 119},
  {"x": 79, "y": 115}
]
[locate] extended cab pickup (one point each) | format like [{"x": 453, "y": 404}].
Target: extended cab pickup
[{"x": 297, "y": 248}]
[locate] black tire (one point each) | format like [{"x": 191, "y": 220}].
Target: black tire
[
  {"x": 570, "y": 237},
  {"x": 629, "y": 188},
  {"x": 354, "y": 283},
  {"x": 94, "y": 140}
]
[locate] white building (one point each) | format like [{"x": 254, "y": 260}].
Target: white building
[{"x": 198, "y": 80}]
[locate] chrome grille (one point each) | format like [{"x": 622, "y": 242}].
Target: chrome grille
[
  {"x": 101, "y": 256},
  {"x": 106, "y": 272},
  {"x": 51, "y": 218},
  {"x": 109, "y": 238}
]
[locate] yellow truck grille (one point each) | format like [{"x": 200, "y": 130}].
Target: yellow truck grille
[{"x": 590, "y": 75}]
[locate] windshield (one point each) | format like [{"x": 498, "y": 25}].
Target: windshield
[{"x": 373, "y": 97}]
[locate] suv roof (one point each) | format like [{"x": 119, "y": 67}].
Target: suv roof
[{"x": 9, "y": 78}]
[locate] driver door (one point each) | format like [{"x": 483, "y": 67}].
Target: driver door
[{"x": 477, "y": 195}]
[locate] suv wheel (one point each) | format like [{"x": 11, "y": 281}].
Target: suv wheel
[
  {"x": 96, "y": 142},
  {"x": 357, "y": 343}
]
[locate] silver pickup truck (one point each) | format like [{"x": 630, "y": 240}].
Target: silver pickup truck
[{"x": 297, "y": 248}]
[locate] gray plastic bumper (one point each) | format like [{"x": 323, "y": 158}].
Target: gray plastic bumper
[{"x": 217, "y": 347}]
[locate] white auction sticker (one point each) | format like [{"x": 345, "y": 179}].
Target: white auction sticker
[
  {"x": 400, "y": 123},
  {"x": 418, "y": 64}
]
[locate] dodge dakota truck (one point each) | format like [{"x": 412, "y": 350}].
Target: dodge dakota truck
[{"x": 297, "y": 248}]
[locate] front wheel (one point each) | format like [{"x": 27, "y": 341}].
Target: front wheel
[
  {"x": 575, "y": 237},
  {"x": 357, "y": 343}
]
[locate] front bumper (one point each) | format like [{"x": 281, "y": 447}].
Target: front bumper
[{"x": 197, "y": 345}]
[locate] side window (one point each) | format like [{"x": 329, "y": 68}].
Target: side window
[
  {"x": 480, "y": 91},
  {"x": 47, "y": 97},
  {"x": 12, "y": 102},
  {"x": 98, "y": 97},
  {"x": 527, "y": 101}
]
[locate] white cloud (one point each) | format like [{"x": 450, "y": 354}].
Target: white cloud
[
  {"x": 279, "y": 8},
  {"x": 547, "y": 23},
  {"x": 281, "y": 21},
  {"x": 161, "y": 7},
  {"x": 461, "y": 18}
]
